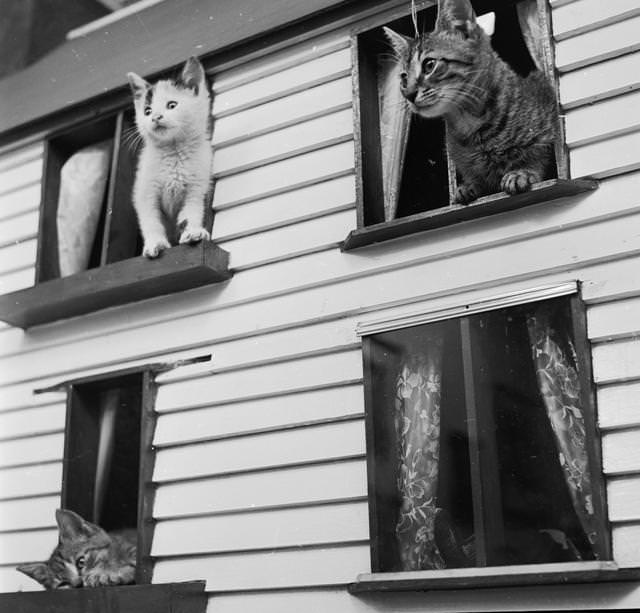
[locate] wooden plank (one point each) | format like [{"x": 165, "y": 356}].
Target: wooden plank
[
  {"x": 600, "y": 81},
  {"x": 282, "y": 569},
  {"x": 283, "y": 112},
  {"x": 606, "y": 119},
  {"x": 623, "y": 498},
  {"x": 579, "y": 17},
  {"x": 20, "y": 201},
  {"x": 182, "y": 267},
  {"x": 280, "y": 143},
  {"x": 24, "y": 175},
  {"x": 29, "y": 513},
  {"x": 613, "y": 320},
  {"x": 41, "y": 448},
  {"x": 626, "y": 545},
  {"x": 277, "y": 529},
  {"x": 16, "y": 547},
  {"x": 619, "y": 405},
  {"x": 281, "y": 488},
  {"x": 595, "y": 46},
  {"x": 32, "y": 421},
  {"x": 31, "y": 480},
  {"x": 604, "y": 159},
  {"x": 620, "y": 284},
  {"x": 294, "y": 206},
  {"x": 621, "y": 452},
  {"x": 616, "y": 361},
  {"x": 20, "y": 279},
  {"x": 18, "y": 256},
  {"x": 256, "y": 452},
  {"x": 20, "y": 156},
  {"x": 258, "y": 415},
  {"x": 19, "y": 228},
  {"x": 260, "y": 381},
  {"x": 261, "y": 182},
  {"x": 290, "y": 241}
]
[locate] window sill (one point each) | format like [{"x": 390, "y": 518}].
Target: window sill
[
  {"x": 177, "y": 269},
  {"x": 188, "y": 597},
  {"x": 495, "y": 576},
  {"x": 488, "y": 205}
]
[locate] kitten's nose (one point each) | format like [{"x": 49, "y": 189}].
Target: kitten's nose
[
  {"x": 410, "y": 95},
  {"x": 157, "y": 117}
]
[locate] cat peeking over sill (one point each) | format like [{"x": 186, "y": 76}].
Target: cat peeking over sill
[
  {"x": 174, "y": 168},
  {"x": 86, "y": 556},
  {"x": 501, "y": 127}
]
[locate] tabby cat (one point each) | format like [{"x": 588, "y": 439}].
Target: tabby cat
[
  {"x": 501, "y": 127},
  {"x": 86, "y": 556},
  {"x": 174, "y": 167}
]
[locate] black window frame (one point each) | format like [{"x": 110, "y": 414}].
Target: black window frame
[{"x": 371, "y": 226}]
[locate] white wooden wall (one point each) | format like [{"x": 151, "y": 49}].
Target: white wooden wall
[{"x": 261, "y": 457}]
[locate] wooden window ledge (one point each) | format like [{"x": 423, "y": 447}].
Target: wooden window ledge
[
  {"x": 177, "y": 269},
  {"x": 188, "y": 597},
  {"x": 545, "y": 191},
  {"x": 494, "y": 576}
]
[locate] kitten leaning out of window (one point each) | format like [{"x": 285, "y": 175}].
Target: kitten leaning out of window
[
  {"x": 86, "y": 556},
  {"x": 174, "y": 167},
  {"x": 501, "y": 127}
]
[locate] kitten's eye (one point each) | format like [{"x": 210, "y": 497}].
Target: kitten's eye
[
  {"x": 63, "y": 585},
  {"x": 147, "y": 110},
  {"x": 403, "y": 79},
  {"x": 80, "y": 562},
  {"x": 172, "y": 104},
  {"x": 429, "y": 65}
]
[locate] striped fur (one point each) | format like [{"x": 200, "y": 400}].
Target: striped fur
[{"x": 501, "y": 127}]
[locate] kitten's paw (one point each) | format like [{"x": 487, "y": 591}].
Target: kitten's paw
[
  {"x": 152, "y": 249},
  {"x": 465, "y": 194},
  {"x": 518, "y": 181},
  {"x": 194, "y": 235}
]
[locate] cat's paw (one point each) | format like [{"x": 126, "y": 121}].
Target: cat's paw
[
  {"x": 465, "y": 194},
  {"x": 518, "y": 181},
  {"x": 194, "y": 235},
  {"x": 152, "y": 249}
]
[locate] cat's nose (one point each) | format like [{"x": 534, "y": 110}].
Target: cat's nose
[
  {"x": 157, "y": 117},
  {"x": 410, "y": 95}
]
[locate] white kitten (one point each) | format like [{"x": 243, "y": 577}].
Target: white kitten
[{"x": 174, "y": 167}]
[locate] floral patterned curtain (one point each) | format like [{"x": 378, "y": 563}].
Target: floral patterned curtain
[
  {"x": 559, "y": 383},
  {"x": 417, "y": 423}
]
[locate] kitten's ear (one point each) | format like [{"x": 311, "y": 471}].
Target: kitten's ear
[
  {"x": 73, "y": 527},
  {"x": 192, "y": 74},
  {"x": 38, "y": 571},
  {"x": 138, "y": 85},
  {"x": 456, "y": 16},
  {"x": 399, "y": 42}
]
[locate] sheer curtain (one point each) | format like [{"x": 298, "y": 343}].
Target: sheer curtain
[
  {"x": 417, "y": 424},
  {"x": 557, "y": 375}
]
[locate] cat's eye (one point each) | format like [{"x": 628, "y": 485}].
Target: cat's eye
[
  {"x": 147, "y": 110},
  {"x": 403, "y": 79},
  {"x": 80, "y": 562},
  {"x": 172, "y": 104},
  {"x": 429, "y": 65}
]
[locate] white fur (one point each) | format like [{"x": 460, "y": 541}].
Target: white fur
[{"x": 174, "y": 167}]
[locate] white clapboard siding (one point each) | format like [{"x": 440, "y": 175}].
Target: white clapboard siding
[
  {"x": 282, "y": 487},
  {"x": 278, "y": 569},
  {"x": 32, "y": 421},
  {"x": 586, "y": 15},
  {"x": 604, "y": 80},
  {"x": 611, "y": 320},
  {"x": 19, "y": 156},
  {"x": 18, "y": 256},
  {"x": 19, "y": 547},
  {"x": 260, "y": 381},
  {"x": 19, "y": 279},
  {"x": 294, "y": 78},
  {"x": 619, "y": 405},
  {"x": 19, "y": 228},
  {"x": 29, "y": 513},
  {"x": 283, "y": 111},
  {"x": 605, "y": 119},
  {"x": 284, "y": 142},
  {"x": 31, "y": 480},
  {"x": 273, "y": 529},
  {"x": 621, "y": 452},
  {"x": 258, "y": 415},
  {"x": 20, "y": 201},
  {"x": 594, "y": 46},
  {"x": 297, "y": 205},
  {"x": 625, "y": 539},
  {"x": 276, "y": 177},
  {"x": 22, "y": 175},
  {"x": 623, "y": 499},
  {"x": 256, "y": 452},
  {"x": 603, "y": 159},
  {"x": 292, "y": 240},
  {"x": 42, "y": 448},
  {"x": 616, "y": 361}
]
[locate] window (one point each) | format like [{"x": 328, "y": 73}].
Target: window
[
  {"x": 481, "y": 442},
  {"x": 406, "y": 180}
]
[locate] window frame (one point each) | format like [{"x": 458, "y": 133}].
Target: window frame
[
  {"x": 604, "y": 569},
  {"x": 369, "y": 195}
]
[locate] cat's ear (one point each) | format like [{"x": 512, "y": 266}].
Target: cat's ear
[
  {"x": 456, "y": 16},
  {"x": 138, "y": 85},
  {"x": 73, "y": 527},
  {"x": 39, "y": 571},
  {"x": 400, "y": 43},
  {"x": 192, "y": 75}
]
